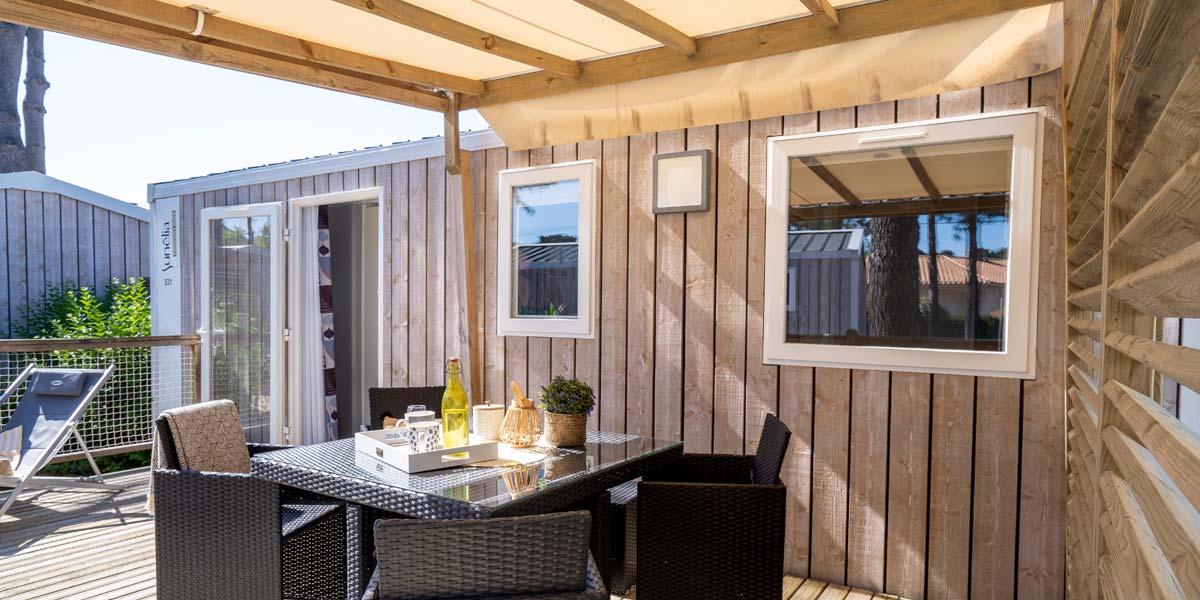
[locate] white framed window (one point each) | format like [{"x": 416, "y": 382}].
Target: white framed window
[
  {"x": 908, "y": 247},
  {"x": 547, "y": 232}
]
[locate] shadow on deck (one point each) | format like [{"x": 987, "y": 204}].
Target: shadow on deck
[{"x": 98, "y": 546}]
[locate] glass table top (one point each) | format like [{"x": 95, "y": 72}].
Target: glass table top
[{"x": 485, "y": 486}]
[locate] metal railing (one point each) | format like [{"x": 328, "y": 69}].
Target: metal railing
[{"x": 153, "y": 373}]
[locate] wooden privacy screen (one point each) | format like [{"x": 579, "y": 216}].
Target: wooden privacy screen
[
  {"x": 48, "y": 240},
  {"x": 1133, "y": 250},
  {"x": 924, "y": 486}
]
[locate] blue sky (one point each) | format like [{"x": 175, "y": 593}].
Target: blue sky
[{"x": 118, "y": 119}]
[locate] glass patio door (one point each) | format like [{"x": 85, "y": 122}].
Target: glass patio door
[{"x": 241, "y": 314}]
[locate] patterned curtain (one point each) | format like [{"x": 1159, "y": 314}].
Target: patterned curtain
[{"x": 325, "y": 287}]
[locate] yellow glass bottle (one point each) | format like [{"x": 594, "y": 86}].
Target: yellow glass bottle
[{"x": 455, "y": 409}]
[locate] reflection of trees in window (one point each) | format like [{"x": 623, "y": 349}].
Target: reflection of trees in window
[{"x": 893, "y": 296}]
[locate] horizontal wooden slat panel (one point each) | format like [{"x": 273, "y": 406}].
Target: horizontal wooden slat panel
[
  {"x": 1085, "y": 387},
  {"x": 1087, "y": 419},
  {"x": 1174, "y": 139},
  {"x": 1088, "y": 299},
  {"x": 1173, "y": 445},
  {"x": 1087, "y": 274},
  {"x": 1088, "y": 327},
  {"x": 1177, "y": 362},
  {"x": 1168, "y": 41},
  {"x": 1088, "y": 245},
  {"x": 1148, "y": 573},
  {"x": 1110, "y": 585},
  {"x": 1087, "y": 356},
  {"x": 1167, "y": 288},
  {"x": 1168, "y": 221},
  {"x": 1083, "y": 454},
  {"x": 1175, "y": 522}
]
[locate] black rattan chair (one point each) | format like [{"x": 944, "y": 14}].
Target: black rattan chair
[
  {"x": 541, "y": 557},
  {"x": 392, "y": 402},
  {"x": 712, "y": 525},
  {"x": 231, "y": 536}
]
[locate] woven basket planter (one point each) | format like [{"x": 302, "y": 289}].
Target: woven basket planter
[{"x": 566, "y": 430}]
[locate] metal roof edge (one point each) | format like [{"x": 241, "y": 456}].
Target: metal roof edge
[
  {"x": 39, "y": 182},
  {"x": 369, "y": 157}
]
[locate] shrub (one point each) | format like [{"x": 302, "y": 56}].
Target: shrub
[
  {"x": 78, "y": 313},
  {"x": 567, "y": 397}
]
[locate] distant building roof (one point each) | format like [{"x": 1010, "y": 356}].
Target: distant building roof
[
  {"x": 548, "y": 256},
  {"x": 825, "y": 240},
  {"x": 952, "y": 270},
  {"x": 38, "y": 182}
]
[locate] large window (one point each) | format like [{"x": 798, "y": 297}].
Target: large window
[
  {"x": 547, "y": 215},
  {"x": 906, "y": 247}
]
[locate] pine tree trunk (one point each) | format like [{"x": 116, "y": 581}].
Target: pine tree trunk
[
  {"x": 35, "y": 101},
  {"x": 894, "y": 293},
  {"x": 12, "y": 54},
  {"x": 934, "y": 294},
  {"x": 972, "y": 274}
]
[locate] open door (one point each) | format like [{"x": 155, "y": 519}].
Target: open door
[{"x": 241, "y": 314}]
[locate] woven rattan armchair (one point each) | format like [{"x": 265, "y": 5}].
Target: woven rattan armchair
[
  {"x": 392, "y": 402},
  {"x": 541, "y": 557},
  {"x": 230, "y": 536},
  {"x": 712, "y": 525}
]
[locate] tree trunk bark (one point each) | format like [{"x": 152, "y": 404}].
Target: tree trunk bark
[
  {"x": 894, "y": 293},
  {"x": 972, "y": 274},
  {"x": 934, "y": 294},
  {"x": 12, "y": 54},
  {"x": 34, "y": 107}
]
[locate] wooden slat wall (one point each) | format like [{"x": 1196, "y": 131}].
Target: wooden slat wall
[
  {"x": 50, "y": 240},
  {"x": 918, "y": 485},
  {"x": 1133, "y": 142}
]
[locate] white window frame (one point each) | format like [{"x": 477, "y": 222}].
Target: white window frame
[
  {"x": 1020, "y": 319},
  {"x": 581, "y": 326}
]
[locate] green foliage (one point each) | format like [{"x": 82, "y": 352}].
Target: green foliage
[
  {"x": 119, "y": 411},
  {"x": 107, "y": 464},
  {"x": 567, "y": 397},
  {"x": 77, "y": 313}
]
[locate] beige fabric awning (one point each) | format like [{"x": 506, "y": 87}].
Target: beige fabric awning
[{"x": 985, "y": 50}]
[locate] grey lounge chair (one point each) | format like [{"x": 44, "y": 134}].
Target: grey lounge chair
[{"x": 49, "y": 411}]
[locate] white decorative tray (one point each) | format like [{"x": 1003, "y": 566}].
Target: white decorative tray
[{"x": 386, "y": 445}]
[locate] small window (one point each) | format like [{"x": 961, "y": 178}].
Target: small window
[
  {"x": 546, "y": 236},
  {"x": 906, "y": 247}
]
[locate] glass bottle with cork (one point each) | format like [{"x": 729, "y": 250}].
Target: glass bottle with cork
[{"x": 455, "y": 408}]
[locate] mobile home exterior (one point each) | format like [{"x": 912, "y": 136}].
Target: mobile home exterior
[{"x": 678, "y": 353}]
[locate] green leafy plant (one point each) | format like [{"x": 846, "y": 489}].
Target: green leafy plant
[
  {"x": 567, "y": 397},
  {"x": 70, "y": 312}
]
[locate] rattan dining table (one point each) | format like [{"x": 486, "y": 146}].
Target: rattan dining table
[{"x": 566, "y": 479}]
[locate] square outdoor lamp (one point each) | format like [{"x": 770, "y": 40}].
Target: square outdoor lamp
[{"x": 681, "y": 181}]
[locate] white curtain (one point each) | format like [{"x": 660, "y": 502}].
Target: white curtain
[{"x": 307, "y": 340}]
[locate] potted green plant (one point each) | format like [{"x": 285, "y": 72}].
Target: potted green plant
[{"x": 567, "y": 403}]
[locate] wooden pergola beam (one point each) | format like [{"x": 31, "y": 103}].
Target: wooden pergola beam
[
  {"x": 822, "y": 11},
  {"x": 450, "y": 135},
  {"x": 899, "y": 208},
  {"x": 643, "y": 23},
  {"x": 802, "y": 33},
  {"x": 65, "y": 17},
  {"x": 918, "y": 169},
  {"x": 831, "y": 180},
  {"x": 215, "y": 27},
  {"x": 430, "y": 22}
]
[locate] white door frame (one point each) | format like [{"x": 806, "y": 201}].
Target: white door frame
[
  {"x": 294, "y": 214},
  {"x": 274, "y": 212}
]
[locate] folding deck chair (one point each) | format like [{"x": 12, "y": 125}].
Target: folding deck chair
[{"x": 51, "y": 408}]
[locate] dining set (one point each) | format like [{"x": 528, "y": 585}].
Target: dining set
[{"x": 324, "y": 521}]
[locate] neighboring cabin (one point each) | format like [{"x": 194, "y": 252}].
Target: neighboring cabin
[{"x": 54, "y": 233}]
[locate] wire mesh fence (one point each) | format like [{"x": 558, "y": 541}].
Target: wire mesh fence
[{"x": 152, "y": 374}]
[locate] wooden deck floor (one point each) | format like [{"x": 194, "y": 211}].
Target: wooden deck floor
[{"x": 94, "y": 546}]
